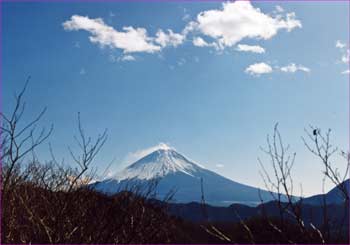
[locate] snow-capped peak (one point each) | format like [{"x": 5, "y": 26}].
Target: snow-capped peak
[
  {"x": 165, "y": 160},
  {"x": 164, "y": 146}
]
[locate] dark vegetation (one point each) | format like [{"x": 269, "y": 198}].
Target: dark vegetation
[
  {"x": 38, "y": 216},
  {"x": 50, "y": 203}
]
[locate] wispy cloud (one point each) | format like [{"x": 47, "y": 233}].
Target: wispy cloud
[
  {"x": 340, "y": 44},
  {"x": 136, "y": 155},
  {"x": 250, "y": 48},
  {"x": 127, "y": 58},
  {"x": 258, "y": 69},
  {"x": 111, "y": 14},
  {"x": 181, "y": 62},
  {"x": 292, "y": 68},
  {"x": 186, "y": 15},
  {"x": 345, "y": 51},
  {"x": 279, "y": 9},
  {"x": 200, "y": 42},
  {"x": 345, "y": 54},
  {"x": 76, "y": 44}
]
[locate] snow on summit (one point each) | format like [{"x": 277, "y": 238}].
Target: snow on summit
[{"x": 164, "y": 160}]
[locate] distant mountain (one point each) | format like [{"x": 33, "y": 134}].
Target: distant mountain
[
  {"x": 334, "y": 196},
  {"x": 234, "y": 213},
  {"x": 176, "y": 172}
]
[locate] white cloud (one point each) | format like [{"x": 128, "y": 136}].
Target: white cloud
[
  {"x": 262, "y": 68},
  {"x": 345, "y": 57},
  {"x": 279, "y": 9},
  {"x": 181, "y": 62},
  {"x": 345, "y": 54},
  {"x": 258, "y": 68},
  {"x": 219, "y": 165},
  {"x": 129, "y": 40},
  {"x": 238, "y": 20},
  {"x": 199, "y": 42},
  {"x": 216, "y": 28},
  {"x": 126, "y": 58},
  {"x": 250, "y": 48},
  {"x": 134, "y": 156},
  {"x": 340, "y": 44},
  {"x": 169, "y": 39},
  {"x": 292, "y": 68},
  {"x": 186, "y": 15}
]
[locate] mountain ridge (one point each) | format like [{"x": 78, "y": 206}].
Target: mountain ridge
[{"x": 334, "y": 196}]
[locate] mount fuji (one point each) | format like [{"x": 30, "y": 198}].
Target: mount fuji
[{"x": 175, "y": 172}]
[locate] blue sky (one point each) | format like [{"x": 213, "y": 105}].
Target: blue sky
[{"x": 212, "y": 89}]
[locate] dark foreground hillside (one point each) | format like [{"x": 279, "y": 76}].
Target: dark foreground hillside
[{"x": 34, "y": 215}]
